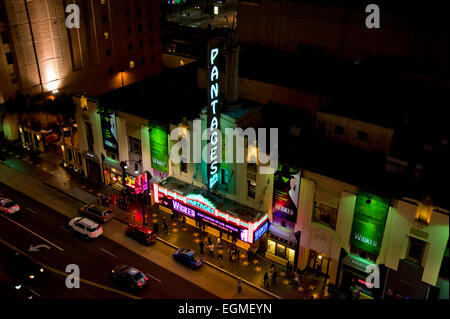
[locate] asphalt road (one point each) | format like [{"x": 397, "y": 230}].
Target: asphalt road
[{"x": 37, "y": 224}]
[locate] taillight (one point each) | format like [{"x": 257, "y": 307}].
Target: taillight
[
  {"x": 93, "y": 233},
  {"x": 140, "y": 284}
]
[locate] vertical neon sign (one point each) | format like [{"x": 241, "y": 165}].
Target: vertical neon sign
[{"x": 213, "y": 121}]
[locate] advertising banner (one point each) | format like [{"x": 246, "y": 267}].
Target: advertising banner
[
  {"x": 159, "y": 149},
  {"x": 109, "y": 132},
  {"x": 286, "y": 192},
  {"x": 369, "y": 221}
]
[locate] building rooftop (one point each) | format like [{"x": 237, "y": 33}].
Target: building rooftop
[{"x": 164, "y": 98}]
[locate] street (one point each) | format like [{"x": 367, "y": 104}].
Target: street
[{"x": 37, "y": 224}]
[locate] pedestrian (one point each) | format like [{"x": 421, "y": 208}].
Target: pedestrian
[
  {"x": 239, "y": 285},
  {"x": 183, "y": 221},
  {"x": 296, "y": 281},
  {"x": 266, "y": 280},
  {"x": 219, "y": 242},
  {"x": 274, "y": 277},
  {"x": 155, "y": 228},
  {"x": 209, "y": 240},
  {"x": 202, "y": 244},
  {"x": 220, "y": 234},
  {"x": 220, "y": 257},
  {"x": 165, "y": 225},
  {"x": 236, "y": 252},
  {"x": 233, "y": 240},
  {"x": 211, "y": 250}
]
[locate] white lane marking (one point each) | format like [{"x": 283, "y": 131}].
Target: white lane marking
[
  {"x": 62, "y": 227},
  {"x": 34, "y": 212},
  {"x": 154, "y": 278},
  {"x": 108, "y": 252},
  {"x": 34, "y": 292},
  {"x": 48, "y": 241}
]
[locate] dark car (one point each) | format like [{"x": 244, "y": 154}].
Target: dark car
[
  {"x": 24, "y": 269},
  {"x": 188, "y": 257},
  {"x": 140, "y": 233},
  {"x": 97, "y": 212},
  {"x": 129, "y": 277}
]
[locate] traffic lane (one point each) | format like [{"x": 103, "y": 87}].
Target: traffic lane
[
  {"x": 50, "y": 286},
  {"x": 104, "y": 252}
]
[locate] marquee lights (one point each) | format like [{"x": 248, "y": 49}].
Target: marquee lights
[{"x": 201, "y": 203}]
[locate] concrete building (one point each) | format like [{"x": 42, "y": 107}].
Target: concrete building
[{"x": 117, "y": 43}]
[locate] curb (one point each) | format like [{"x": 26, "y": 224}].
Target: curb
[{"x": 226, "y": 272}]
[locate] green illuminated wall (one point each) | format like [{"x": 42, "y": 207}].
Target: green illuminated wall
[
  {"x": 159, "y": 149},
  {"x": 368, "y": 222}
]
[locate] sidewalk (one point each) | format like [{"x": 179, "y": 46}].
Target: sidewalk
[{"x": 48, "y": 171}]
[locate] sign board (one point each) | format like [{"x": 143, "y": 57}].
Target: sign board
[
  {"x": 369, "y": 221},
  {"x": 286, "y": 192},
  {"x": 109, "y": 132},
  {"x": 159, "y": 149}
]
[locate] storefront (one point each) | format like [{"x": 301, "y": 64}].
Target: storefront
[
  {"x": 243, "y": 223},
  {"x": 137, "y": 184},
  {"x": 354, "y": 274},
  {"x": 113, "y": 174},
  {"x": 281, "y": 245}
]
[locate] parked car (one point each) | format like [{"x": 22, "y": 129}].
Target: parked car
[
  {"x": 7, "y": 206},
  {"x": 129, "y": 277},
  {"x": 140, "y": 233},
  {"x": 97, "y": 212},
  {"x": 24, "y": 269},
  {"x": 86, "y": 227},
  {"x": 188, "y": 257}
]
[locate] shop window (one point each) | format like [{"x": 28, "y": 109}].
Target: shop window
[
  {"x": 290, "y": 254},
  {"x": 251, "y": 188},
  {"x": 415, "y": 250},
  {"x": 280, "y": 251},
  {"x": 339, "y": 130},
  {"x": 325, "y": 214},
  {"x": 9, "y": 58},
  {"x": 135, "y": 145},
  {"x": 362, "y": 136}
]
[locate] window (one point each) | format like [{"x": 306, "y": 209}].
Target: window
[
  {"x": 325, "y": 214},
  {"x": 108, "y": 52},
  {"x": 110, "y": 71},
  {"x": 128, "y": 30},
  {"x": 362, "y": 136},
  {"x": 142, "y": 61},
  {"x": 152, "y": 41},
  {"x": 138, "y": 12},
  {"x": 139, "y": 28},
  {"x": 141, "y": 44},
  {"x": 130, "y": 46},
  {"x": 106, "y": 35},
  {"x": 90, "y": 137},
  {"x": 251, "y": 188},
  {"x": 415, "y": 250},
  {"x": 9, "y": 58},
  {"x": 135, "y": 145},
  {"x": 5, "y": 37},
  {"x": 338, "y": 130},
  {"x": 131, "y": 64},
  {"x": 150, "y": 25},
  {"x": 149, "y": 10},
  {"x": 105, "y": 18}
]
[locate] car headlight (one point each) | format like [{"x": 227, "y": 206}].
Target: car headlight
[
  {"x": 41, "y": 270},
  {"x": 18, "y": 287},
  {"x": 31, "y": 276}
]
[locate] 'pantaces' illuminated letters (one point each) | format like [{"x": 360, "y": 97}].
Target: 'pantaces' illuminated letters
[{"x": 213, "y": 119}]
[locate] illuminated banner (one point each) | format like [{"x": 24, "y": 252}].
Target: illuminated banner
[
  {"x": 159, "y": 149},
  {"x": 369, "y": 221},
  {"x": 260, "y": 231},
  {"x": 109, "y": 132},
  {"x": 201, "y": 209},
  {"x": 213, "y": 118},
  {"x": 286, "y": 193}
]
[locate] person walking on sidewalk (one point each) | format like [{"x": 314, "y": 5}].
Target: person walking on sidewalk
[
  {"x": 249, "y": 255},
  {"x": 209, "y": 240},
  {"x": 183, "y": 221},
  {"x": 201, "y": 244},
  {"x": 266, "y": 280},
  {"x": 220, "y": 234},
  {"x": 218, "y": 243},
  {"x": 220, "y": 257},
  {"x": 165, "y": 225},
  {"x": 274, "y": 277},
  {"x": 239, "y": 285},
  {"x": 155, "y": 228},
  {"x": 211, "y": 250}
]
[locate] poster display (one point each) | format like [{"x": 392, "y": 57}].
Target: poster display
[
  {"x": 159, "y": 149},
  {"x": 286, "y": 192},
  {"x": 109, "y": 132}
]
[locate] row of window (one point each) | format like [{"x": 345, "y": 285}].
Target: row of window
[
  {"x": 361, "y": 135},
  {"x": 132, "y": 63},
  {"x": 128, "y": 15}
]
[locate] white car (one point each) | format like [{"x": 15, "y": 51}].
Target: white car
[
  {"x": 86, "y": 227},
  {"x": 7, "y": 206}
]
